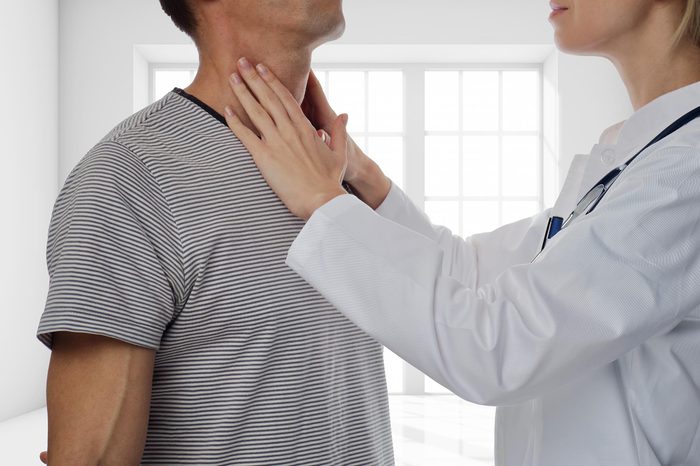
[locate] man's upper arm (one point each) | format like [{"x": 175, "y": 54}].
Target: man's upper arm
[{"x": 98, "y": 397}]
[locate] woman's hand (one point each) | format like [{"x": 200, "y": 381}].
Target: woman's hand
[
  {"x": 363, "y": 174},
  {"x": 295, "y": 160},
  {"x": 315, "y": 105}
]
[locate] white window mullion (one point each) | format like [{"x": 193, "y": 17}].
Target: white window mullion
[
  {"x": 414, "y": 163},
  {"x": 540, "y": 159},
  {"x": 460, "y": 155},
  {"x": 500, "y": 146},
  {"x": 414, "y": 131}
]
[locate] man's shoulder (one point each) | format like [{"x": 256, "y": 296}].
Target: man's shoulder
[
  {"x": 123, "y": 151},
  {"x": 146, "y": 122},
  {"x": 135, "y": 140}
]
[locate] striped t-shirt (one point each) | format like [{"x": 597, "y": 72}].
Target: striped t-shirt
[{"x": 166, "y": 236}]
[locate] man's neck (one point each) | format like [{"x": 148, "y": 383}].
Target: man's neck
[{"x": 211, "y": 84}]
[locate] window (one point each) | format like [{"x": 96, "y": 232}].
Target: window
[
  {"x": 164, "y": 78},
  {"x": 482, "y": 148},
  {"x": 465, "y": 142}
]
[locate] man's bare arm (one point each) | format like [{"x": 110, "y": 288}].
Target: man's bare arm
[{"x": 98, "y": 399}]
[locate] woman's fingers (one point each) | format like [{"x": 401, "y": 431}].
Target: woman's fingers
[
  {"x": 315, "y": 90},
  {"x": 257, "y": 114},
  {"x": 339, "y": 141},
  {"x": 313, "y": 85},
  {"x": 242, "y": 132},
  {"x": 325, "y": 137},
  {"x": 339, "y": 135},
  {"x": 263, "y": 92},
  {"x": 316, "y": 106},
  {"x": 284, "y": 96}
]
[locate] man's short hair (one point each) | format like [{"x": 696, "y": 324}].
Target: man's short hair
[{"x": 180, "y": 11}]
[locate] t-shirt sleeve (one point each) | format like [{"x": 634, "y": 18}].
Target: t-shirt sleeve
[{"x": 112, "y": 252}]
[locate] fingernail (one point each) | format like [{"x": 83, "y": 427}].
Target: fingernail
[
  {"x": 236, "y": 79},
  {"x": 345, "y": 117},
  {"x": 262, "y": 69},
  {"x": 245, "y": 64},
  {"x": 229, "y": 112}
]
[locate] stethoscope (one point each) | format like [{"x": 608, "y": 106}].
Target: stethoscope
[{"x": 593, "y": 197}]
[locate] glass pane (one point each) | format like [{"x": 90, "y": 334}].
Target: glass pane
[
  {"x": 480, "y": 217},
  {"x": 444, "y": 213},
  {"x": 518, "y": 210},
  {"x": 520, "y": 96},
  {"x": 393, "y": 367},
  {"x": 346, "y": 94},
  {"x": 166, "y": 80},
  {"x": 520, "y": 166},
  {"x": 442, "y": 100},
  {"x": 480, "y": 171},
  {"x": 442, "y": 166},
  {"x": 386, "y": 101},
  {"x": 480, "y": 94},
  {"x": 388, "y": 153},
  {"x": 432, "y": 386}
]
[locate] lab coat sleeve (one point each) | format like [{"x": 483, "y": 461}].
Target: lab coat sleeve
[
  {"x": 476, "y": 260},
  {"x": 627, "y": 271}
]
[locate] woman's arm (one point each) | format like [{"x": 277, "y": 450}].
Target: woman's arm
[
  {"x": 612, "y": 280},
  {"x": 478, "y": 259},
  {"x": 605, "y": 285}
]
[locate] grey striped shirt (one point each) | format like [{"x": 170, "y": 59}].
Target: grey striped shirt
[{"x": 166, "y": 236}]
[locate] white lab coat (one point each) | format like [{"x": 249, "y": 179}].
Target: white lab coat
[{"x": 592, "y": 352}]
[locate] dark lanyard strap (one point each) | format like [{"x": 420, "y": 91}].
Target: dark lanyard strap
[
  {"x": 675, "y": 126},
  {"x": 555, "y": 223}
]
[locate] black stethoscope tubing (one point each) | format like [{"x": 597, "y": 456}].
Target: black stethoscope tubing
[{"x": 556, "y": 224}]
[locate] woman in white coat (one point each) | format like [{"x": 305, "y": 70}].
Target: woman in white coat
[{"x": 591, "y": 348}]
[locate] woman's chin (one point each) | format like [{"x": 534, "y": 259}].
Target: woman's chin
[{"x": 573, "y": 47}]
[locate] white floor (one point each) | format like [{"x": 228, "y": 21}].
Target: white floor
[
  {"x": 23, "y": 438},
  {"x": 441, "y": 430},
  {"x": 428, "y": 430}
]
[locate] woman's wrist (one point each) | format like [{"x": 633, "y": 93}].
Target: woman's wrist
[
  {"x": 371, "y": 184},
  {"x": 319, "y": 200}
]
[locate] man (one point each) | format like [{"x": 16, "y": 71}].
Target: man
[{"x": 178, "y": 334}]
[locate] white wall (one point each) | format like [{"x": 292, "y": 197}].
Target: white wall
[
  {"x": 592, "y": 98},
  {"x": 447, "y": 22},
  {"x": 28, "y": 187}
]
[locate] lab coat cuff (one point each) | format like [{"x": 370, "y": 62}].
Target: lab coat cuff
[
  {"x": 399, "y": 208},
  {"x": 336, "y": 207},
  {"x": 392, "y": 206},
  {"x": 304, "y": 246}
]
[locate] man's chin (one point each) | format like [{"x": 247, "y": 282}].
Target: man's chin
[
  {"x": 338, "y": 31},
  {"x": 330, "y": 33}
]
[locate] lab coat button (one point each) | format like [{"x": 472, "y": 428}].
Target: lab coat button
[{"x": 608, "y": 156}]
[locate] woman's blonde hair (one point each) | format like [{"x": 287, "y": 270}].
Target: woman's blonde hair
[{"x": 690, "y": 24}]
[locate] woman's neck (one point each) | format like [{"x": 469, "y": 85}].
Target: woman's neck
[
  {"x": 648, "y": 75},
  {"x": 650, "y": 63}
]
